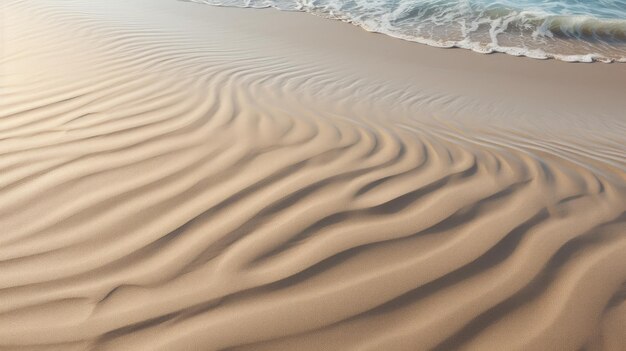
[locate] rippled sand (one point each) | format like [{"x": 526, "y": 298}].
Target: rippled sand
[{"x": 182, "y": 177}]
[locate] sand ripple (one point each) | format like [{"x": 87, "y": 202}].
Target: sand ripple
[{"x": 165, "y": 188}]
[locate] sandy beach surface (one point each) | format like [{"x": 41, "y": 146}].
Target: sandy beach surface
[{"x": 176, "y": 176}]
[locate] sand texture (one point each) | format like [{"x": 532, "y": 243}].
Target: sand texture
[{"x": 175, "y": 176}]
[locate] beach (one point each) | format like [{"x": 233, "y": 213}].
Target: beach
[{"x": 178, "y": 176}]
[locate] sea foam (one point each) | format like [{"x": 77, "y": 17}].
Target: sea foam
[{"x": 568, "y": 30}]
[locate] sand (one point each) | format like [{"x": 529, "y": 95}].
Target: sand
[{"x": 175, "y": 176}]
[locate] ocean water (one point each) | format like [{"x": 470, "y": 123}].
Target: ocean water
[{"x": 568, "y": 30}]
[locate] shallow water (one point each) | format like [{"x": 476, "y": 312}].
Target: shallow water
[{"x": 568, "y": 30}]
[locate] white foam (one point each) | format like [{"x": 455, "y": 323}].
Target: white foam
[{"x": 498, "y": 27}]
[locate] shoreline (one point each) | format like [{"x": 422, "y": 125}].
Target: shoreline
[{"x": 538, "y": 54}]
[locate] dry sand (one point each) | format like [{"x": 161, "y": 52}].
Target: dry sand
[{"x": 176, "y": 176}]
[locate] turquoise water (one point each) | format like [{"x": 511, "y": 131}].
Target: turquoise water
[{"x": 569, "y": 30}]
